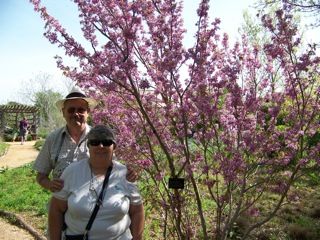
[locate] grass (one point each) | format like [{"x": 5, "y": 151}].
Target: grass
[
  {"x": 3, "y": 148},
  {"x": 299, "y": 220},
  {"x": 22, "y": 195}
]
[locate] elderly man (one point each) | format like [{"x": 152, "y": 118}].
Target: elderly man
[{"x": 67, "y": 144}]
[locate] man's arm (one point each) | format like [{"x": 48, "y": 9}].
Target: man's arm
[
  {"x": 56, "y": 217},
  {"x": 53, "y": 185},
  {"x": 136, "y": 214}
]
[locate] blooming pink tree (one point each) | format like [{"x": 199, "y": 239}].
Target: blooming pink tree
[{"x": 236, "y": 128}]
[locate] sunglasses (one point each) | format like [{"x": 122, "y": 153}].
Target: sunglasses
[
  {"x": 73, "y": 110},
  {"x": 96, "y": 142}
]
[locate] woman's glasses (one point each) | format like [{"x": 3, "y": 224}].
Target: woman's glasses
[{"x": 96, "y": 142}]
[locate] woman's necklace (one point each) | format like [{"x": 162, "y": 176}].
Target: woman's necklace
[
  {"x": 91, "y": 184},
  {"x": 96, "y": 180}
]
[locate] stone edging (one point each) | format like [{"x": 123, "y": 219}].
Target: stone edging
[{"x": 19, "y": 222}]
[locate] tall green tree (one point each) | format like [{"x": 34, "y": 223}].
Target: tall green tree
[
  {"x": 39, "y": 91},
  {"x": 50, "y": 116}
]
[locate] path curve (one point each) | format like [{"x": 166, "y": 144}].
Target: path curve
[{"x": 17, "y": 155}]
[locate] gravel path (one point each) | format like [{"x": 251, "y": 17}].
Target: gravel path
[
  {"x": 11, "y": 232},
  {"x": 16, "y": 156}
]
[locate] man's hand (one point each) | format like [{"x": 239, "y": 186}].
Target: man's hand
[
  {"x": 51, "y": 185},
  {"x": 56, "y": 185},
  {"x": 132, "y": 174}
]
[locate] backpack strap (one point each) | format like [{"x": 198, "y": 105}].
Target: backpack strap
[
  {"x": 98, "y": 203},
  {"x": 59, "y": 147}
]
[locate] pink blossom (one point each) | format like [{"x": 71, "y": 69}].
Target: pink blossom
[
  {"x": 229, "y": 118},
  {"x": 254, "y": 212},
  {"x": 159, "y": 176}
]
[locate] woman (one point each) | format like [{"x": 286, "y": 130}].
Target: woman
[
  {"x": 120, "y": 215},
  {"x": 23, "y": 128}
]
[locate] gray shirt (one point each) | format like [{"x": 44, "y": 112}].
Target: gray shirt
[{"x": 59, "y": 151}]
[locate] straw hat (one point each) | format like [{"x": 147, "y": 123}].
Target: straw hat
[{"x": 76, "y": 93}]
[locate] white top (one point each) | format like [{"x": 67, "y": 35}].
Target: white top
[{"x": 112, "y": 220}]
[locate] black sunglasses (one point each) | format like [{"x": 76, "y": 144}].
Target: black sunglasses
[
  {"x": 96, "y": 142},
  {"x": 73, "y": 110}
]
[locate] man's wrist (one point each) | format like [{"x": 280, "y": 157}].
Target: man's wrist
[{"x": 45, "y": 183}]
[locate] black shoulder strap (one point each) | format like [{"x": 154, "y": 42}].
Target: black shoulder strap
[
  {"x": 99, "y": 201},
  {"x": 59, "y": 147}
]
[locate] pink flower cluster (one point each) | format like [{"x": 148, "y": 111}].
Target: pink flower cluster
[{"x": 240, "y": 115}]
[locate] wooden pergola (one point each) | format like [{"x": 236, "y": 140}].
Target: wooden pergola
[{"x": 11, "y": 114}]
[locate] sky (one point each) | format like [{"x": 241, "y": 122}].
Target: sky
[{"x": 25, "y": 52}]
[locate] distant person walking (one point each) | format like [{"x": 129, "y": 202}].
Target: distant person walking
[{"x": 23, "y": 128}]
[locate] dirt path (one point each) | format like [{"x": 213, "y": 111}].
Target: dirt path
[
  {"x": 16, "y": 156},
  {"x": 11, "y": 232}
]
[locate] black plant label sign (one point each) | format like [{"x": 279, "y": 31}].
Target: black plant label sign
[{"x": 176, "y": 183}]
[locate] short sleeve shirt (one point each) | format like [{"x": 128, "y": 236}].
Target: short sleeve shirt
[
  {"x": 81, "y": 190},
  {"x": 59, "y": 151}
]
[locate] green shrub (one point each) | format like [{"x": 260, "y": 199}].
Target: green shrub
[
  {"x": 9, "y": 137},
  {"x": 39, "y": 143},
  {"x": 42, "y": 133},
  {"x": 29, "y": 137},
  {"x": 315, "y": 212},
  {"x": 298, "y": 232}
]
